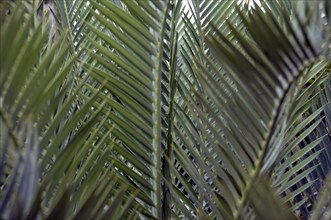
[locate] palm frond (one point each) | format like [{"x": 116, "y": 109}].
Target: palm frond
[
  {"x": 245, "y": 119},
  {"x": 46, "y": 136},
  {"x": 160, "y": 110}
]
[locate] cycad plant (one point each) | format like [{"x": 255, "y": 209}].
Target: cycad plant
[{"x": 132, "y": 109}]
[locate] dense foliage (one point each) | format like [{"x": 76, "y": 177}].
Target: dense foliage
[{"x": 132, "y": 109}]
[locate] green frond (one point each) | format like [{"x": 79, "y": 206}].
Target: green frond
[{"x": 170, "y": 109}]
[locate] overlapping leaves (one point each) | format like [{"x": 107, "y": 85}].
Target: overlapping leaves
[{"x": 140, "y": 113}]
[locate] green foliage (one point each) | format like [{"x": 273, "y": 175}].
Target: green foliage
[{"x": 163, "y": 110}]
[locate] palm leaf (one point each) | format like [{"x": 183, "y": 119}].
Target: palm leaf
[
  {"x": 42, "y": 127},
  {"x": 245, "y": 121},
  {"x": 144, "y": 109}
]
